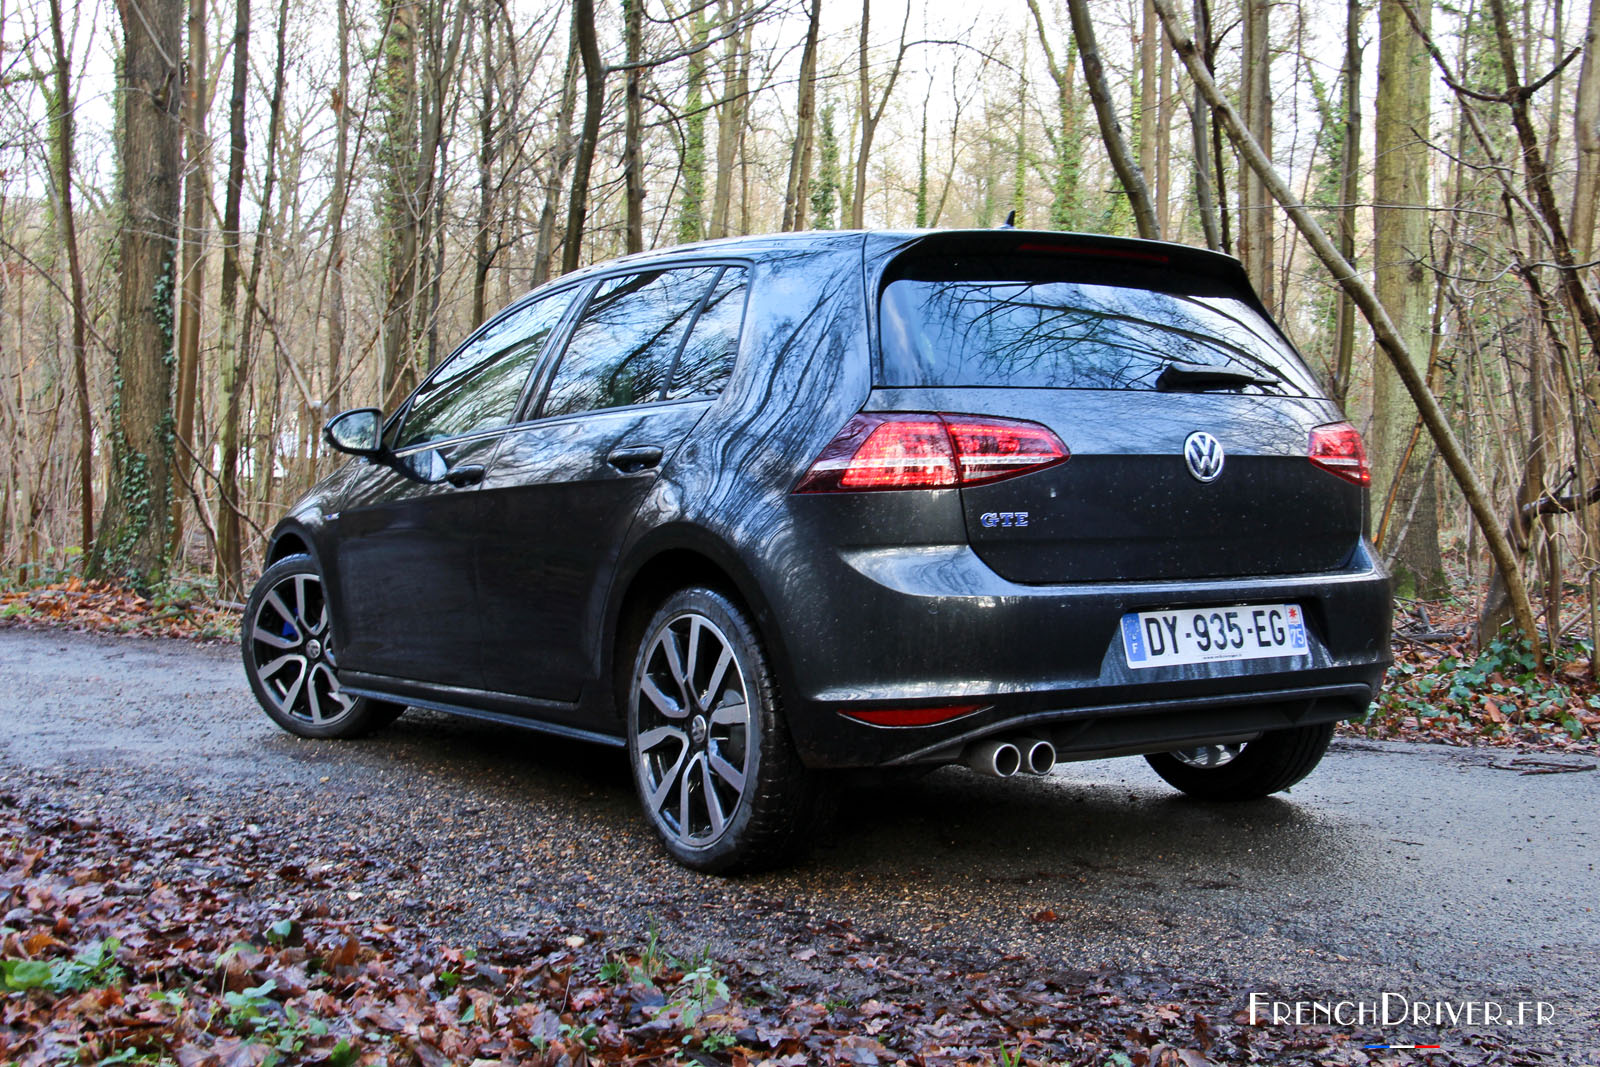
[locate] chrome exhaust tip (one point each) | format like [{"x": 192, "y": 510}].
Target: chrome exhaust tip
[
  {"x": 1038, "y": 755},
  {"x": 994, "y": 758}
]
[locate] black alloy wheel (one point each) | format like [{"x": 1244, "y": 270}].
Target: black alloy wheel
[
  {"x": 287, "y": 642},
  {"x": 712, "y": 760},
  {"x": 1271, "y": 763}
]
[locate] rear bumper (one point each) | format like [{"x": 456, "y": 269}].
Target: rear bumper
[{"x": 933, "y": 625}]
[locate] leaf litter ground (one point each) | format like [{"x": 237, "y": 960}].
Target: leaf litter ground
[{"x": 200, "y": 947}]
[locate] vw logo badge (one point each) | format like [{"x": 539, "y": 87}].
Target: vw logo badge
[{"x": 1203, "y": 454}]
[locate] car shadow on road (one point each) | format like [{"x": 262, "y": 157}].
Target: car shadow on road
[{"x": 1108, "y": 820}]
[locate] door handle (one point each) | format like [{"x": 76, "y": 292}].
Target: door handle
[
  {"x": 461, "y": 477},
  {"x": 634, "y": 459}
]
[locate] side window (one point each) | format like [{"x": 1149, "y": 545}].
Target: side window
[
  {"x": 622, "y": 349},
  {"x": 478, "y": 388},
  {"x": 707, "y": 357}
]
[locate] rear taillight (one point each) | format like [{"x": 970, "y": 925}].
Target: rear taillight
[
  {"x": 921, "y": 451},
  {"x": 1337, "y": 449}
]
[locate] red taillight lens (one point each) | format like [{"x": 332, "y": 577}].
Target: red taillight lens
[
  {"x": 904, "y": 451},
  {"x": 884, "y": 452},
  {"x": 990, "y": 449},
  {"x": 1337, "y": 449}
]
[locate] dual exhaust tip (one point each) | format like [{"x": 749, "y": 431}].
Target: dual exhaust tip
[{"x": 1002, "y": 757}]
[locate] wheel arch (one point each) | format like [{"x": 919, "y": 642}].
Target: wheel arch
[
  {"x": 673, "y": 559},
  {"x": 288, "y": 542}
]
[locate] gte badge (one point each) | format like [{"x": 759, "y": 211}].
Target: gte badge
[{"x": 992, "y": 519}]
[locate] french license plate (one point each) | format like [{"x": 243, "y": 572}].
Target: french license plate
[{"x": 1251, "y": 631}]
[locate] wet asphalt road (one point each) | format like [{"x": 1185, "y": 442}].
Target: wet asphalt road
[{"x": 1418, "y": 870}]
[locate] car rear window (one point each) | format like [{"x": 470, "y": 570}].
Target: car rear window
[{"x": 1041, "y": 326}]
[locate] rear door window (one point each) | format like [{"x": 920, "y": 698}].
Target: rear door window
[
  {"x": 623, "y": 348},
  {"x": 707, "y": 358},
  {"x": 1042, "y": 332}
]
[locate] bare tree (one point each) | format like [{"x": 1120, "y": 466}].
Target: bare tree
[
  {"x": 633, "y": 129},
  {"x": 1349, "y": 194},
  {"x": 1586, "y": 135},
  {"x": 133, "y": 538},
  {"x": 195, "y": 193},
  {"x": 1122, "y": 158},
  {"x": 1255, "y": 206},
  {"x": 230, "y": 546},
  {"x": 798, "y": 189},
  {"x": 594, "y": 89},
  {"x": 870, "y": 113},
  {"x": 1064, "y": 138},
  {"x": 1401, "y": 196},
  {"x": 64, "y": 131}
]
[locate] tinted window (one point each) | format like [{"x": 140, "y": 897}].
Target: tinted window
[
  {"x": 622, "y": 349},
  {"x": 1072, "y": 334},
  {"x": 707, "y": 357},
  {"x": 479, "y": 386}
]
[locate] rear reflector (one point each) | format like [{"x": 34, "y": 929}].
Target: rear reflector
[
  {"x": 911, "y": 716},
  {"x": 924, "y": 451},
  {"x": 1337, "y": 449}
]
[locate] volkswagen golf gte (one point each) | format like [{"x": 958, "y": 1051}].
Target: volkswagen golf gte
[{"x": 763, "y": 509}]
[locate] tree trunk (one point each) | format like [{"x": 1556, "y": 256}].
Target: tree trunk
[
  {"x": 730, "y": 117},
  {"x": 825, "y": 197},
  {"x": 433, "y": 158},
  {"x": 1404, "y": 286},
  {"x": 1383, "y": 327},
  {"x": 230, "y": 544},
  {"x": 1068, "y": 150},
  {"x": 482, "y": 252},
  {"x": 692, "y": 215},
  {"x": 64, "y": 127},
  {"x": 1147, "y": 99},
  {"x": 1019, "y": 148},
  {"x": 339, "y": 198},
  {"x": 544, "y": 245},
  {"x": 633, "y": 125},
  {"x": 1164, "y": 109},
  {"x": 1586, "y": 135},
  {"x": 1349, "y": 194},
  {"x": 1585, "y": 194},
  {"x": 396, "y": 93},
  {"x": 133, "y": 532},
  {"x": 194, "y": 260},
  {"x": 1200, "y": 139},
  {"x": 858, "y": 186},
  {"x": 1255, "y": 206},
  {"x": 230, "y": 553},
  {"x": 1122, "y": 159},
  {"x": 798, "y": 192},
  {"x": 594, "y": 93}
]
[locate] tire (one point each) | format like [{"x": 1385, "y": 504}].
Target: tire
[
  {"x": 1271, "y": 763},
  {"x": 285, "y": 639},
  {"x": 716, "y": 772}
]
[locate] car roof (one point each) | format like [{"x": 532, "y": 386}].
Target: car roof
[{"x": 766, "y": 245}]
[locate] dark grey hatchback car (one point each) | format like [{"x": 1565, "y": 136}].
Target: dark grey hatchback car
[{"x": 761, "y": 509}]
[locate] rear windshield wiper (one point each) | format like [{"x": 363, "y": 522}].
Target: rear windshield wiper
[{"x": 1198, "y": 377}]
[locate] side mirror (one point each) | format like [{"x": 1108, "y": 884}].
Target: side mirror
[{"x": 357, "y": 431}]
